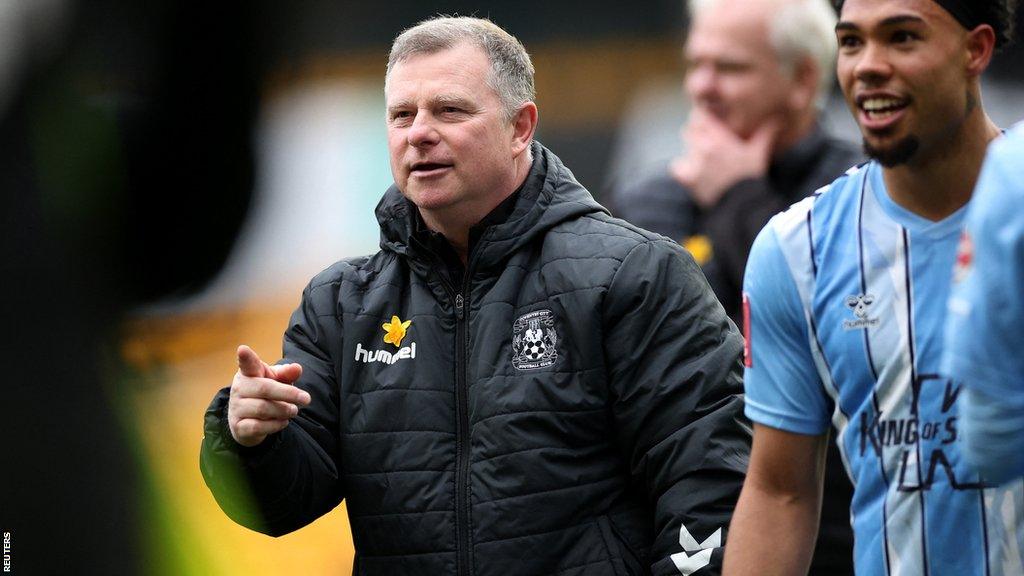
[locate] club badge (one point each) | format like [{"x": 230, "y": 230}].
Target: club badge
[{"x": 533, "y": 340}]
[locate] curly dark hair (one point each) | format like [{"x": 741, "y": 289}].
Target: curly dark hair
[{"x": 1000, "y": 14}]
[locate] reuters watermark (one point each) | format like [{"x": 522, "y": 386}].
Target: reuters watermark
[{"x": 7, "y": 552}]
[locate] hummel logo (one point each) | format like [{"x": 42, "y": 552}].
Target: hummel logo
[
  {"x": 700, "y": 553},
  {"x": 394, "y": 332},
  {"x": 367, "y": 356},
  {"x": 859, "y": 304}
]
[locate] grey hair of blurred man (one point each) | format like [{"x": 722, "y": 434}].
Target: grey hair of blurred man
[
  {"x": 511, "y": 74},
  {"x": 799, "y": 29}
]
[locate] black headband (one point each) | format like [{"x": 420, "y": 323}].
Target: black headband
[
  {"x": 972, "y": 13},
  {"x": 963, "y": 12}
]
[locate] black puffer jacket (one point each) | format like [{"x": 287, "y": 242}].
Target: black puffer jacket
[{"x": 564, "y": 411}]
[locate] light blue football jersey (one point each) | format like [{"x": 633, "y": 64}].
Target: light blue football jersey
[
  {"x": 846, "y": 293},
  {"x": 985, "y": 328},
  {"x": 987, "y": 304}
]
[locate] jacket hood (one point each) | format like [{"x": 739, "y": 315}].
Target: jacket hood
[{"x": 549, "y": 196}]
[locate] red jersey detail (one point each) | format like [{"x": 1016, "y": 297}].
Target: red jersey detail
[
  {"x": 748, "y": 357},
  {"x": 964, "y": 257}
]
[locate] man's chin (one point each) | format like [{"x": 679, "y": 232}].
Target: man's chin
[
  {"x": 892, "y": 154},
  {"x": 430, "y": 200}
]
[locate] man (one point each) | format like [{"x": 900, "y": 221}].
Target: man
[
  {"x": 846, "y": 295},
  {"x": 516, "y": 383},
  {"x": 757, "y": 76},
  {"x": 986, "y": 313}
]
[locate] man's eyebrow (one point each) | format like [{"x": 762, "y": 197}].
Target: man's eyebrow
[
  {"x": 399, "y": 105},
  {"x": 902, "y": 19},
  {"x": 886, "y": 22},
  {"x": 446, "y": 99}
]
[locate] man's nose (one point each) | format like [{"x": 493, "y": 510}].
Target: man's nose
[
  {"x": 423, "y": 131},
  {"x": 873, "y": 65},
  {"x": 701, "y": 82}
]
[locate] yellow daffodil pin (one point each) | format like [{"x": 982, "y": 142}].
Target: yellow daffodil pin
[
  {"x": 700, "y": 248},
  {"x": 395, "y": 331}
]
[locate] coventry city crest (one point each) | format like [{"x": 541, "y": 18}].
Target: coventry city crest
[{"x": 533, "y": 340}]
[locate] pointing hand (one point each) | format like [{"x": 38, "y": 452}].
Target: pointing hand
[{"x": 263, "y": 400}]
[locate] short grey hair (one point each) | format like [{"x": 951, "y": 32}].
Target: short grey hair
[
  {"x": 511, "y": 75},
  {"x": 799, "y": 29}
]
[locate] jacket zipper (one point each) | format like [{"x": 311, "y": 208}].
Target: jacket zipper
[
  {"x": 462, "y": 437},
  {"x": 462, "y": 536}
]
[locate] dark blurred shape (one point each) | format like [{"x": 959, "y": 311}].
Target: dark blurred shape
[{"x": 126, "y": 167}]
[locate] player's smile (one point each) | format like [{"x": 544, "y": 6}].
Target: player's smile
[{"x": 879, "y": 111}]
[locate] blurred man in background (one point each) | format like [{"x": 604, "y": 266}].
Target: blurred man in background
[
  {"x": 517, "y": 383},
  {"x": 758, "y": 73},
  {"x": 846, "y": 295},
  {"x": 986, "y": 312}
]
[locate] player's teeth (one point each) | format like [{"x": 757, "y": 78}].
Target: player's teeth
[{"x": 876, "y": 104}]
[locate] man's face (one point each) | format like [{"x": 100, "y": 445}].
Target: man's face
[
  {"x": 450, "y": 145},
  {"x": 902, "y": 69},
  {"x": 732, "y": 69}
]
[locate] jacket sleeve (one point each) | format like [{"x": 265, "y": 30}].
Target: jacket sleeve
[
  {"x": 673, "y": 360},
  {"x": 292, "y": 477}
]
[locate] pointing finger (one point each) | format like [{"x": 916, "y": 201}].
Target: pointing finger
[{"x": 249, "y": 363}]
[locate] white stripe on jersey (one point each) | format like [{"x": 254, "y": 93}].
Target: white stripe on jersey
[
  {"x": 793, "y": 231},
  {"x": 884, "y": 271}
]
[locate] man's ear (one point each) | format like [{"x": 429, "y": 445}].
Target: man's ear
[
  {"x": 980, "y": 44},
  {"x": 806, "y": 77},
  {"x": 524, "y": 124}
]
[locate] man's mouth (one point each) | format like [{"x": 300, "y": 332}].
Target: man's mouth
[
  {"x": 880, "y": 108},
  {"x": 428, "y": 168}
]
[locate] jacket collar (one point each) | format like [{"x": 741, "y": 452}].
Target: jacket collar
[{"x": 550, "y": 195}]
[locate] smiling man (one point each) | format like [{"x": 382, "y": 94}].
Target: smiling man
[
  {"x": 516, "y": 383},
  {"x": 845, "y": 298}
]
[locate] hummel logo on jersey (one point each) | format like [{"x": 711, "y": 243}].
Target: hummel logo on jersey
[
  {"x": 394, "y": 332},
  {"x": 860, "y": 305},
  {"x": 533, "y": 340}
]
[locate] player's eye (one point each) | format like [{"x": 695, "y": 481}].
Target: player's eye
[
  {"x": 903, "y": 36},
  {"x": 848, "y": 41}
]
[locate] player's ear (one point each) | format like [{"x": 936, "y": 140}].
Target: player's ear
[
  {"x": 979, "y": 45},
  {"x": 524, "y": 124}
]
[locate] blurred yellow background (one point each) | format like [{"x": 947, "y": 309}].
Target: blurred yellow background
[{"x": 182, "y": 361}]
